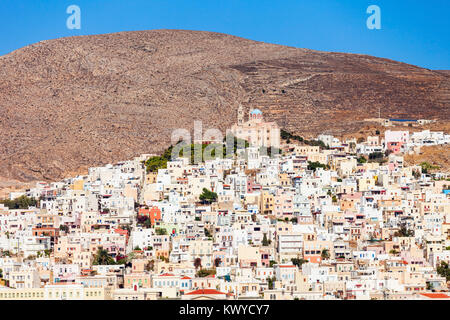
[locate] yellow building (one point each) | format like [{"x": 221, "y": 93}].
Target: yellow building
[
  {"x": 266, "y": 203},
  {"x": 78, "y": 184}
]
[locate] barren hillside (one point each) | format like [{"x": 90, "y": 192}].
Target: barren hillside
[
  {"x": 70, "y": 103},
  {"x": 434, "y": 155}
]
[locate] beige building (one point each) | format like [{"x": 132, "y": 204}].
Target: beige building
[
  {"x": 54, "y": 292},
  {"x": 24, "y": 279},
  {"x": 256, "y": 131},
  {"x": 203, "y": 250},
  {"x": 249, "y": 256}
]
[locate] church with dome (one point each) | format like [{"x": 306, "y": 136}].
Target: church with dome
[{"x": 255, "y": 130}]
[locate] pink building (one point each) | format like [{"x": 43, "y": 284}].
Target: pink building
[
  {"x": 283, "y": 204},
  {"x": 394, "y": 140}
]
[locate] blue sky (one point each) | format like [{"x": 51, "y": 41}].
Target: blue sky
[{"x": 415, "y": 32}]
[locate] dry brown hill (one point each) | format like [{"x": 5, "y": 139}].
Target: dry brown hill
[
  {"x": 71, "y": 103},
  {"x": 435, "y": 155}
]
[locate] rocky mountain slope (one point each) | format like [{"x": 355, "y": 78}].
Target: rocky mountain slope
[{"x": 70, "y": 103}]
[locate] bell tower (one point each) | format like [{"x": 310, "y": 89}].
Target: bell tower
[{"x": 240, "y": 116}]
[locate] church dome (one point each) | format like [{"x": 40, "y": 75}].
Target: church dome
[{"x": 256, "y": 112}]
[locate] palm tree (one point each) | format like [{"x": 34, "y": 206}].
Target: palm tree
[{"x": 103, "y": 258}]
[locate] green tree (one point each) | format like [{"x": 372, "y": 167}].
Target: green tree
[
  {"x": 155, "y": 163},
  {"x": 404, "y": 232},
  {"x": 64, "y": 228},
  {"x": 22, "y": 202},
  {"x": 265, "y": 242},
  {"x": 288, "y": 136},
  {"x": 298, "y": 262},
  {"x": 443, "y": 270},
  {"x": 316, "y": 143},
  {"x": 102, "y": 257},
  {"x": 205, "y": 272},
  {"x": 325, "y": 254},
  {"x": 376, "y": 157},
  {"x": 270, "y": 282},
  {"x": 161, "y": 231},
  {"x": 6, "y": 253},
  {"x": 362, "y": 159},
  {"x": 208, "y": 196},
  {"x": 314, "y": 165},
  {"x": 285, "y": 135},
  {"x": 233, "y": 143},
  {"x": 427, "y": 167},
  {"x": 122, "y": 261}
]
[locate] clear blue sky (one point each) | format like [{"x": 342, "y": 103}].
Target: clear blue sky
[{"x": 415, "y": 32}]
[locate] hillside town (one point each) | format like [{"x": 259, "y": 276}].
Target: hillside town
[{"x": 319, "y": 219}]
